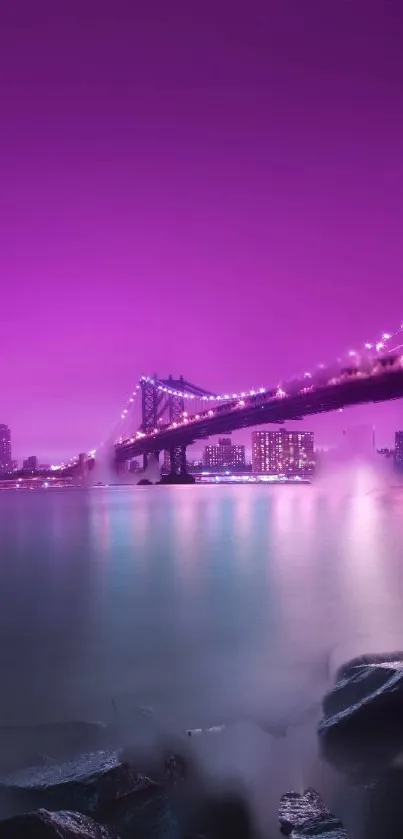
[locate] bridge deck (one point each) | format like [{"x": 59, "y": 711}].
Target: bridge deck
[{"x": 264, "y": 409}]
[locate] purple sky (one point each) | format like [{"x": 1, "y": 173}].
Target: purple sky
[{"x": 207, "y": 188}]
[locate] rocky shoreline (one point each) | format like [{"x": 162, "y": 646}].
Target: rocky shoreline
[{"x": 104, "y": 792}]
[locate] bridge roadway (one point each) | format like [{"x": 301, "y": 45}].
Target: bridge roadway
[{"x": 264, "y": 408}]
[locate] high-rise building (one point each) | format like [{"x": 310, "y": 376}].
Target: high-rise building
[
  {"x": 283, "y": 452},
  {"x": 5, "y": 448},
  {"x": 30, "y": 464},
  {"x": 399, "y": 449},
  {"x": 224, "y": 455}
]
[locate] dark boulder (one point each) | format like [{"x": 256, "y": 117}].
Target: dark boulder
[
  {"x": 87, "y": 783},
  {"x": 362, "y": 726},
  {"x": 221, "y": 817},
  {"x": 365, "y": 687},
  {"x": 43, "y": 824},
  {"x": 152, "y": 817},
  {"x": 184, "y": 478},
  {"x": 176, "y": 770},
  {"x": 33, "y": 745},
  {"x": 304, "y": 816}
]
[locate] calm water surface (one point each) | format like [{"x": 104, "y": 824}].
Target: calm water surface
[{"x": 207, "y": 603}]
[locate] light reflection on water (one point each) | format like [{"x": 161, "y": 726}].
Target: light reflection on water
[{"x": 207, "y": 603}]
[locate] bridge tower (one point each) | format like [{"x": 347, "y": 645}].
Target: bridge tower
[
  {"x": 150, "y": 402},
  {"x": 176, "y": 407},
  {"x": 154, "y": 403}
]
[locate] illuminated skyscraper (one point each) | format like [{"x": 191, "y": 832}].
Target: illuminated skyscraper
[
  {"x": 283, "y": 452},
  {"x": 5, "y": 448},
  {"x": 224, "y": 455}
]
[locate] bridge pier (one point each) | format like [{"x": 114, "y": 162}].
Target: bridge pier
[
  {"x": 178, "y": 473},
  {"x": 175, "y": 459},
  {"x": 183, "y": 466},
  {"x": 178, "y": 460}
]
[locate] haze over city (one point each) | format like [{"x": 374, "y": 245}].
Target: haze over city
[
  {"x": 193, "y": 190},
  {"x": 201, "y": 419}
]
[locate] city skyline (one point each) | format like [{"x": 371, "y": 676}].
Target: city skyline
[
  {"x": 270, "y": 450},
  {"x": 209, "y": 194}
]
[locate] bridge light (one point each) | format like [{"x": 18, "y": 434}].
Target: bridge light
[
  {"x": 307, "y": 375},
  {"x": 386, "y": 336},
  {"x": 368, "y": 346},
  {"x": 352, "y": 353},
  {"x": 379, "y": 346},
  {"x": 243, "y": 394},
  {"x": 262, "y": 390},
  {"x": 252, "y": 392}
]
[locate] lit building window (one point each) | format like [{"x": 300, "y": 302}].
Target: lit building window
[{"x": 283, "y": 452}]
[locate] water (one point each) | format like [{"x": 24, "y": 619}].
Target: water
[{"x": 209, "y": 604}]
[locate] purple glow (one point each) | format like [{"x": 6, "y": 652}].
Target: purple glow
[{"x": 213, "y": 194}]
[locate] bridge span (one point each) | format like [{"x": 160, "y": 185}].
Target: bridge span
[
  {"x": 170, "y": 414},
  {"x": 378, "y": 381}
]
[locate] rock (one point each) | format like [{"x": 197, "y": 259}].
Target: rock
[
  {"x": 87, "y": 783},
  {"x": 295, "y": 809},
  {"x": 302, "y": 816},
  {"x": 175, "y": 770},
  {"x": 221, "y": 817},
  {"x": 365, "y": 687},
  {"x": 43, "y": 824},
  {"x": 151, "y": 818},
  {"x": 177, "y": 479},
  {"x": 33, "y": 745},
  {"x": 362, "y": 726}
]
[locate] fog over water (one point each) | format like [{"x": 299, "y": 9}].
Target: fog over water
[{"x": 207, "y": 604}]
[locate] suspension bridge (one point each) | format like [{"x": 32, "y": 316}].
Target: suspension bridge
[{"x": 171, "y": 414}]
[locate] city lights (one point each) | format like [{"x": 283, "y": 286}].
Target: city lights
[{"x": 226, "y": 403}]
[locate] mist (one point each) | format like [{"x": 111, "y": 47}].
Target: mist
[{"x": 105, "y": 471}]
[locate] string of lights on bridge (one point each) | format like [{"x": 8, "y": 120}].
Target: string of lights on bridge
[
  {"x": 226, "y": 397},
  {"x": 162, "y": 387},
  {"x": 380, "y": 345}
]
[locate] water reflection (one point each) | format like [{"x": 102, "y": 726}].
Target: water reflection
[{"x": 207, "y": 603}]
